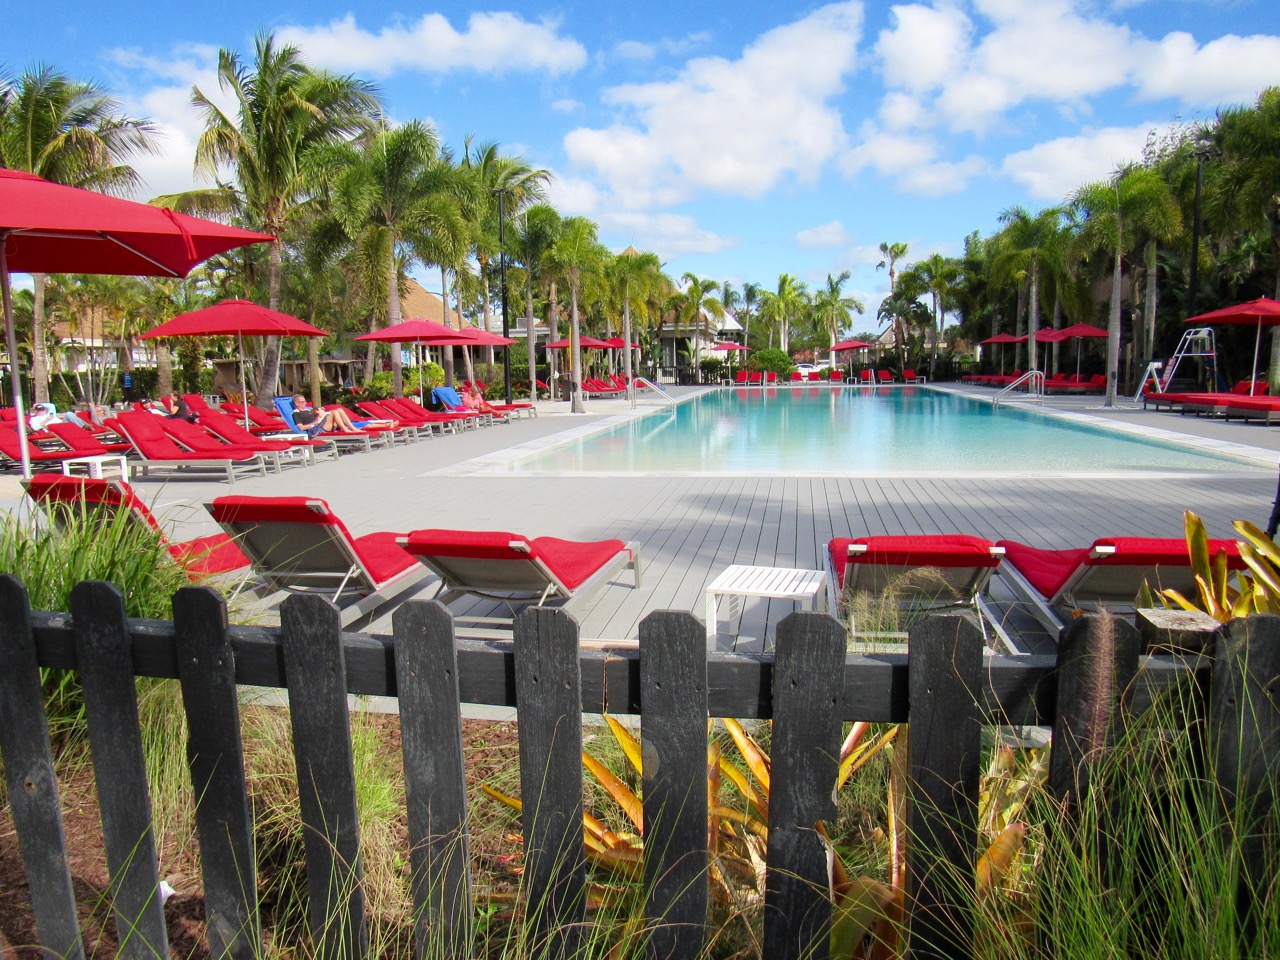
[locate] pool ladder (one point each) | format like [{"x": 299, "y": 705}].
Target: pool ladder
[
  {"x": 1034, "y": 380},
  {"x": 638, "y": 381}
]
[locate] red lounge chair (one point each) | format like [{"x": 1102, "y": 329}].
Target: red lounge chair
[
  {"x": 1266, "y": 409},
  {"x": 233, "y": 432},
  {"x": 770, "y": 376},
  {"x": 867, "y": 377},
  {"x": 884, "y": 376},
  {"x": 415, "y": 412},
  {"x": 962, "y": 566},
  {"x": 197, "y": 438},
  {"x": 84, "y": 443},
  {"x": 11, "y": 447},
  {"x": 156, "y": 450},
  {"x": 756, "y": 378},
  {"x": 297, "y": 545},
  {"x": 740, "y": 380},
  {"x": 517, "y": 570},
  {"x": 527, "y": 409},
  {"x": 1109, "y": 574},
  {"x": 202, "y": 557},
  {"x": 796, "y": 376},
  {"x": 414, "y": 429},
  {"x": 260, "y": 421},
  {"x": 837, "y": 375},
  {"x": 910, "y": 376}
]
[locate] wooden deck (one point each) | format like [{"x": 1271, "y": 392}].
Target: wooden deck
[{"x": 691, "y": 528}]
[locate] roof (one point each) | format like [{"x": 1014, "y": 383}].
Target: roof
[{"x": 417, "y": 303}]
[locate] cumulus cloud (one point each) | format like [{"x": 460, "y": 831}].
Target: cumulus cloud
[
  {"x": 925, "y": 46},
  {"x": 491, "y": 43},
  {"x": 1053, "y": 169},
  {"x": 733, "y": 126},
  {"x": 1228, "y": 70},
  {"x": 912, "y": 161},
  {"x": 827, "y": 235},
  {"x": 566, "y": 105},
  {"x": 675, "y": 234}
]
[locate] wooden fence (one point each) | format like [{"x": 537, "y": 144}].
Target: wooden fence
[{"x": 944, "y": 686}]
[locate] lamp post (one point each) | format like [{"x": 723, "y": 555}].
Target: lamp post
[{"x": 502, "y": 291}]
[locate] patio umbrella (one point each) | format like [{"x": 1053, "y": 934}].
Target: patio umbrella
[
  {"x": 588, "y": 343},
  {"x": 236, "y": 317},
  {"x": 1080, "y": 331},
  {"x": 844, "y": 345},
  {"x": 49, "y": 228},
  {"x": 1000, "y": 339},
  {"x": 1263, "y": 312}
]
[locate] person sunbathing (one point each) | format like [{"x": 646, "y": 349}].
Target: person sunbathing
[
  {"x": 473, "y": 399},
  {"x": 313, "y": 420}
]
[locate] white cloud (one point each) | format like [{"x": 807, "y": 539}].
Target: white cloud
[
  {"x": 1053, "y": 169},
  {"x": 912, "y": 161},
  {"x": 925, "y": 46},
  {"x": 735, "y": 126},
  {"x": 831, "y": 234},
  {"x": 672, "y": 234},
  {"x": 573, "y": 196},
  {"x": 566, "y": 105},
  {"x": 635, "y": 50},
  {"x": 492, "y": 43},
  {"x": 1225, "y": 71}
]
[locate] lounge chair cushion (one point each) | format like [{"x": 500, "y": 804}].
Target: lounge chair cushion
[
  {"x": 206, "y": 556},
  {"x": 573, "y": 561},
  {"x": 1049, "y": 570},
  {"x": 946, "y": 550},
  {"x": 379, "y": 552}
]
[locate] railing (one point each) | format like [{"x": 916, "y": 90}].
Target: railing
[
  {"x": 662, "y": 392},
  {"x": 944, "y": 686},
  {"x": 1033, "y": 380}
]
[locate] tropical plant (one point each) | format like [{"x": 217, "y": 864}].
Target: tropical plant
[
  {"x": 1134, "y": 200},
  {"x": 632, "y": 273},
  {"x": 580, "y": 256},
  {"x": 694, "y": 302},
  {"x": 1222, "y": 594},
  {"x": 534, "y": 235},
  {"x": 892, "y": 253},
  {"x": 836, "y": 309},
  {"x": 69, "y": 132},
  {"x": 781, "y": 307},
  {"x": 1021, "y": 249},
  {"x": 283, "y": 110}
]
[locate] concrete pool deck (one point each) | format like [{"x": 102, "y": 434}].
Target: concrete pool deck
[{"x": 690, "y": 528}]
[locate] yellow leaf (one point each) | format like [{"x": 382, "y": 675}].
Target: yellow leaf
[
  {"x": 855, "y": 760},
  {"x": 630, "y": 745},
  {"x": 756, "y": 760},
  {"x": 620, "y": 792},
  {"x": 995, "y": 863},
  {"x": 512, "y": 802},
  {"x": 1197, "y": 544},
  {"x": 754, "y": 798},
  {"x": 857, "y": 915}
]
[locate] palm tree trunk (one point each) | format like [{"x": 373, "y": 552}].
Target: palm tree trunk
[
  {"x": 1033, "y": 314},
  {"x": 446, "y": 352},
  {"x": 39, "y": 357},
  {"x": 266, "y": 392},
  {"x": 1113, "y": 330},
  {"x": 164, "y": 370},
  {"x": 531, "y": 338},
  {"x": 1150, "y": 302},
  {"x": 1057, "y": 325},
  {"x": 313, "y": 366},
  {"x": 394, "y": 315},
  {"x": 575, "y": 351},
  {"x": 1274, "y": 372},
  {"x": 553, "y": 334}
]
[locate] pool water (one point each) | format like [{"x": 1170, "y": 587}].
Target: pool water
[{"x": 855, "y": 431}]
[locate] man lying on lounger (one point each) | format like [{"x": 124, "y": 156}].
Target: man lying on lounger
[{"x": 314, "y": 420}]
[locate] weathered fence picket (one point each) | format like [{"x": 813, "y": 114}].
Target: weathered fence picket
[{"x": 945, "y": 688}]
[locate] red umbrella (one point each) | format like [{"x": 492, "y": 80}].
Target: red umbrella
[
  {"x": 589, "y": 343},
  {"x": 410, "y": 331},
  {"x": 483, "y": 338},
  {"x": 617, "y": 343},
  {"x": 236, "y": 317},
  {"x": 1080, "y": 331},
  {"x": 1003, "y": 338},
  {"x": 844, "y": 345},
  {"x": 1262, "y": 311},
  {"x": 49, "y": 228},
  {"x": 731, "y": 346}
]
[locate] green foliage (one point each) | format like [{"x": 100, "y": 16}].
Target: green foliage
[
  {"x": 775, "y": 360},
  {"x": 711, "y": 366}
]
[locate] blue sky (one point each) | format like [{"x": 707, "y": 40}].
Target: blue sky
[{"x": 736, "y": 141}]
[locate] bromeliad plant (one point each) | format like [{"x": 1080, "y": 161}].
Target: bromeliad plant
[
  {"x": 1222, "y": 593},
  {"x": 866, "y": 910}
]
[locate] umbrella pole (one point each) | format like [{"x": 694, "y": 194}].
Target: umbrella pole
[
  {"x": 244, "y": 393},
  {"x": 11, "y": 342},
  {"x": 1257, "y": 342}
]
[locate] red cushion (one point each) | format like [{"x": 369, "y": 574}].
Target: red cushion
[
  {"x": 928, "y": 550},
  {"x": 382, "y": 556},
  {"x": 206, "y": 556},
  {"x": 1046, "y": 570},
  {"x": 572, "y": 561}
]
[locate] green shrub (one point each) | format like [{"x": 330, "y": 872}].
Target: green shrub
[{"x": 774, "y": 360}]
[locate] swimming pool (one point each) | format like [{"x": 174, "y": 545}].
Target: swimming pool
[{"x": 854, "y": 431}]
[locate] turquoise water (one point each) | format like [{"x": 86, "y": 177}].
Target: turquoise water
[{"x": 867, "y": 431}]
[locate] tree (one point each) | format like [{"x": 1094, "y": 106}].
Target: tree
[
  {"x": 1135, "y": 199},
  {"x": 695, "y": 300},
  {"x": 1022, "y": 248},
  {"x": 750, "y": 298},
  {"x": 892, "y": 253},
  {"x": 782, "y": 306},
  {"x": 283, "y": 111},
  {"x": 578, "y": 253},
  {"x": 69, "y": 132},
  {"x": 632, "y": 273},
  {"x": 535, "y": 234},
  {"x": 835, "y": 309}
]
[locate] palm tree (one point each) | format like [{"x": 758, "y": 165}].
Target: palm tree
[
  {"x": 578, "y": 253},
  {"x": 1023, "y": 246},
  {"x": 1135, "y": 199},
  {"x": 750, "y": 297},
  {"x": 835, "y": 309},
  {"x": 782, "y": 306},
  {"x": 385, "y": 192},
  {"x": 696, "y": 300},
  {"x": 69, "y": 132},
  {"x": 283, "y": 111},
  {"x": 535, "y": 233},
  {"x": 640, "y": 274},
  {"x": 892, "y": 253},
  {"x": 938, "y": 273}
]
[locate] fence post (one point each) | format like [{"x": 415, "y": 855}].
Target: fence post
[
  {"x": 549, "y": 701},
  {"x": 215, "y": 756},
  {"x": 673, "y": 681},
  {"x": 944, "y": 745},
  {"x": 119, "y": 768},
  {"x": 1097, "y": 663},
  {"x": 317, "y": 679},
  {"x": 33, "y": 787},
  {"x": 1244, "y": 729},
  {"x": 435, "y": 791}
]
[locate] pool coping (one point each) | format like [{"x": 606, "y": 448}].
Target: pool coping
[{"x": 498, "y": 463}]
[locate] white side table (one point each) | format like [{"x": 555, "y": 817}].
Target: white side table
[
  {"x": 94, "y": 465},
  {"x": 807, "y": 587}
]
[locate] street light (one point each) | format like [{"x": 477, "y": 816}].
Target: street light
[{"x": 502, "y": 291}]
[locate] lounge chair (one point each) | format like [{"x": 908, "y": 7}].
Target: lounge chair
[
  {"x": 260, "y": 421},
  {"x": 201, "y": 557},
  {"x": 414, "y": 412},
  {"x": 519, "y": 408},
  {"x": 11, "y": 447},
  {"x": 867, "y": 377},
  {"x": 297, "y": 545},
  {"x": 740, "y": 379},
  {"x": 232, "y": 431},
  {"x": 450, "y": 402},
  {"x": 910, "y": 376},
  {"x": 517, "y": 570},
  {"x": 960, "y": 567},
  {"x": 85, "y": 444},
  {"x": 837, "y": 375},
  {"x": 756, "y": 378},
  {"x": 157, "y": 451},
  {"x": 196, "y": 438},
  {"x": 884, "y": 376},
  {"x": 361, "y": 439},
  {"x": 1109, "y": 574}
]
